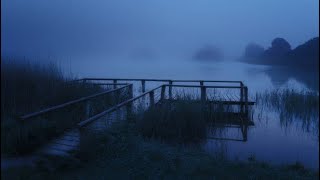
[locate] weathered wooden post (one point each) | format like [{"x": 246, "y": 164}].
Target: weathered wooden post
[
  {"x": 246, "y": 100},
  {"x": 151, "y": 95},
  {"x": 244, "y": 130},
  {"x": 114, "y": 84},
  {"x": 170, "y": 89},
  {"x": 203, "y": 94},
  {"x": 129, "y": 105},
  {"x": 143, "y": 83},
  {"x": 203, "y": 101},
  {"x": 163, "y": 90},
  {"x": 241, "y": 98}
]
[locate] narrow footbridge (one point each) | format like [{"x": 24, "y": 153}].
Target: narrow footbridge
[{"x": 123, "y": 97}]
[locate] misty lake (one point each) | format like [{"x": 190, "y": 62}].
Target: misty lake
[{"x": 270, "y": 139}]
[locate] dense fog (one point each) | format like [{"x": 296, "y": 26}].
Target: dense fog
[{"x": 144, "y": 29}]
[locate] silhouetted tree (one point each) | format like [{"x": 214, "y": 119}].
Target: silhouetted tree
[{"x": 279, "y": 47}]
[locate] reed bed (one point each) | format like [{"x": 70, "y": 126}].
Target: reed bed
[
  {"x": 294, "y": 107},
  {"x": 27, "y": 87},
  {"x": 185, "y": 120}
]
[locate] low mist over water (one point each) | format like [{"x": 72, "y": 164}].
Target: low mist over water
[{"x": 265, "y": 123}]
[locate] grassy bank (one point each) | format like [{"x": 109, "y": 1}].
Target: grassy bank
[
  {"x": 122, "y": 153},
  {"x": 27, "y": 87}
]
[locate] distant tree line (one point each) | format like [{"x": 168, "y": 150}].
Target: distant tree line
[{"x": 280, "y": 53}]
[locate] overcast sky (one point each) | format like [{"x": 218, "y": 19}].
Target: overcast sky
[{"x": 172, "y": 27}]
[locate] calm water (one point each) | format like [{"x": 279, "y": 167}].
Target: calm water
[{"x": 269, "y": 139}]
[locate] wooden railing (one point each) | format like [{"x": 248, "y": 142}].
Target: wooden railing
[
  {"x": 151, "y": 94},
  {"x": 126, "y": 108},
  {"x": 154, "y": 96},
  {"x": 83, "y": 99}
]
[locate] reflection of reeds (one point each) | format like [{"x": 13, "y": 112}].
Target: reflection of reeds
[{"x": 291, "y": 105}]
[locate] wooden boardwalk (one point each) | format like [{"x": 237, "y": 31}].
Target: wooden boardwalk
[{"x": 70, "y": 140}]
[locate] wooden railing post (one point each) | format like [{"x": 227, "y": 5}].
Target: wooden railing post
[
  {"x": 244, "y": 131},
  {"x": 241, "y": 98},
  {"x": 203, "y": 94},
  {"x": 246, "y": 100},
  {"x": 163, "y": 90},
  {"x": 201, "y": 83},
  {"x": 143, "y": 83},
  {"x": 114, "y": 82},
  {"x": 151, "y": 94},
  {"x": 203, "y": 101},
  {"x": 170, "y": 89}
]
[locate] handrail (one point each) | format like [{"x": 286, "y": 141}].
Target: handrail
[
  {"x": 166, "y": 80},
  {"x": 24, "y": 117},
  {"x": 198, "y": 86},
  {"x": 86, "y": 122}
]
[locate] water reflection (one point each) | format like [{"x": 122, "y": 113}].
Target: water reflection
[
  {"x": 277, "y": 137},
  {"x": 308, "y": 76},
  {"x": 229, "y": 132}
]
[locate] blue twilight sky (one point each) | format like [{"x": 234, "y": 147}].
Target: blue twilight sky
[{"x": 157, "y": 27}]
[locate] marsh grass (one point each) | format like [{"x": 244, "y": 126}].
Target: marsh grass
[
  {"x": 185, "y": 119},
  {"x": 301, "y": 104},
  {"x": 26, "y": 88},
  {"x": 293, "y": 107}
]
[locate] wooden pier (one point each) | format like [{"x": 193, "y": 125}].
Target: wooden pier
[{"x": 141, "y": 95}]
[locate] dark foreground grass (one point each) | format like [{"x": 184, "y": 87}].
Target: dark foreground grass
[
  {"x": 26, "y": 88},
  {"x": 121, "y": 153}
]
